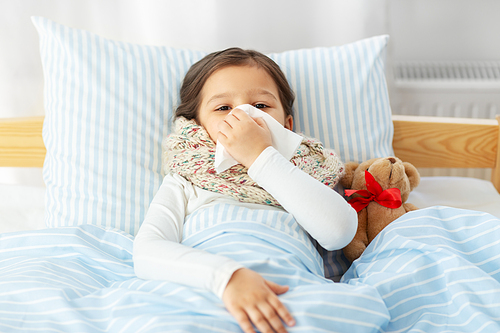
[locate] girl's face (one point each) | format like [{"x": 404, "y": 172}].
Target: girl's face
[{"x": 231, "y": 86}]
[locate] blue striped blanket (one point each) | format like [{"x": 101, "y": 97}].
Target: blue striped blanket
[{"x": 432, "y": 270}]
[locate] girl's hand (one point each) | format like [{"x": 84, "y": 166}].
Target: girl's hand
[
  {"x": 252, "y": 299},
  {"x": 244, "y": 137}
]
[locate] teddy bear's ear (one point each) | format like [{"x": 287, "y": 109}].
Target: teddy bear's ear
[
  {"x": 413, "y": 175},
  {"x": 348, "y": 176}
]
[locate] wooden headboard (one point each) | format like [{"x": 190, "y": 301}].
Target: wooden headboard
[{"x": 426, "y": 142}]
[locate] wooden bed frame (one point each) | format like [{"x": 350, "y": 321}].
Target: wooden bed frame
[{"x": 426, "y": 142}]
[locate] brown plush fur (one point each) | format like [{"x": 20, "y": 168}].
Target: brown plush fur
[{"x": 389, "y": 172}]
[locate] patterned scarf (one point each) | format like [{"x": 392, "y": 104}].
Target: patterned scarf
[{"x": 190, "y": 152}]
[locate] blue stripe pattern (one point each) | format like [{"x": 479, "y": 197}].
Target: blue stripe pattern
[
  {"x": 437, "y": 269},
  {"x": 108, "y": 106},
  {"x": 432, "y": 270},
  {"x": 342, "y": 96},
  {"x": 224, "y": 224}
]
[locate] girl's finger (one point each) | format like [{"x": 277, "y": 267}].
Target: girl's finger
[
  {"x": 272, "y": 317},
  {"x": 221, "y": 136},
  {"x": 258, "y": 319},
  {"x": 282, "y": 311},
  {"x": 230, "y": 121},
  {"x": 224, "y": 127},
  {"x": 234, "y": 116},
  {"x": 238, "y": 114},
  {"x": 243, "y": 320},
  {"x": 276, "y": 288},
  {"x": 261, "y": 122}
]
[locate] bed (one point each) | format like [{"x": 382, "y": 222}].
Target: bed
[{"x": 66, "y": 249}]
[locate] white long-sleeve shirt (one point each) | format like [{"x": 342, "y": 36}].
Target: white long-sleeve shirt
[{"x": 158, "y": 254}]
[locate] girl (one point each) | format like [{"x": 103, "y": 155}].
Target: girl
[{"x": 265, "y": 192}]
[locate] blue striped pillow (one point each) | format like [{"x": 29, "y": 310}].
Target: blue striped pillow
[
  {"x": 342, "y": 97},
  {"x": 109, "y": 104},
  {"x": 107, "y": 109}
]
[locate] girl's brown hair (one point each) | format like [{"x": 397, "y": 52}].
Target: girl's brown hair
[{"x": 199, "y": 72}]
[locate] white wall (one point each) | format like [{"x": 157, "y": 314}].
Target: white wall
[
  {"x": 266, "y": 25},
  {"x": 445, "y": 29}
]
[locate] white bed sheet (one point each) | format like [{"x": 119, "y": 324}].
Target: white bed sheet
[
  {"x": 459, "y": 192},
  {"x": 22, "y": 207}
]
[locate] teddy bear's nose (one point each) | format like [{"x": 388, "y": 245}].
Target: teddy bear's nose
[{"x": 392, "y": 160}]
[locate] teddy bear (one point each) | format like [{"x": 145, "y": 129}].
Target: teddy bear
[{"x": 378, "y": 189}]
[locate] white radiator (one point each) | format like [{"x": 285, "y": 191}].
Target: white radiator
[{"x": 447, "y": 89}]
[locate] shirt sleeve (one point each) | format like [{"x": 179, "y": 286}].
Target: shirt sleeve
[
  {"x": 321, "y": 211},
  {"x": 158, "y": 254}
]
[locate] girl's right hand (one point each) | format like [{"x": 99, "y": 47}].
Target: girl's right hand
[
  {"x": 244, "y": 137},
  {"x": 252, "y": 299}
]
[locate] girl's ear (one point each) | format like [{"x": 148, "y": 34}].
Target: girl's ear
[{"x": 289, "y": 123}]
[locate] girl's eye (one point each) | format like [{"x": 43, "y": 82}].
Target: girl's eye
[
  {"x": 260, "y": 106},
  {"x": 223, "y": 108}
]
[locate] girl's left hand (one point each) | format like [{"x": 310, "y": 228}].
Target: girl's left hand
[
  {"x": 244, "y": 137},
  {"x": 251, "y": 299}
]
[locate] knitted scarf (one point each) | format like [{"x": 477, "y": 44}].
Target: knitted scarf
[{"x": 190, "y": 152}]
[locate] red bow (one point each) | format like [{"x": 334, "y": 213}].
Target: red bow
[{"x": 390, "y": 198}]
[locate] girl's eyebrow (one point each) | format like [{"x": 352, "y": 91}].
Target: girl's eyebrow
[
  {"x": 218, "y": 96},
  {"x": 264, "y": 92},
  {"x": 252, "y": 92}
]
